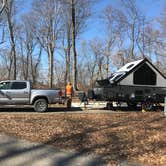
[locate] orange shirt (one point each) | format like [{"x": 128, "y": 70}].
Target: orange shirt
[{"x": 69, "y": 90}]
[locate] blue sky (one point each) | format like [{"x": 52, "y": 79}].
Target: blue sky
[{"x": 150, "y": 8}]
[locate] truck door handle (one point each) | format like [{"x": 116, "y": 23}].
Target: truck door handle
[{"x": 25, "y": 92}]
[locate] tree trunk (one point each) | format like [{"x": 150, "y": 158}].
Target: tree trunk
[
  {"x": 67, "y": 56},
  {"x": 27, "y": 64},
  {"x": 10, "y": 26},
  {"x": 34, "y": 67},
  {"x": 68, "y": 52},
  {"x": 50, "y": 55},
  {"x": 3, "y": 5},
  {"x": 133, "y": 40},
  {"x": 74, "y": 45},
  {"x": 108, "y": 57},
  {"x": 10, "y": 67}
]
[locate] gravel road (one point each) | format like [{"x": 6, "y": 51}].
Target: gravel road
[{"x": 20, "y": 152}]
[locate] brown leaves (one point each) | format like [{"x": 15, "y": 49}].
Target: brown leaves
[{"x": 116, "y": 137}]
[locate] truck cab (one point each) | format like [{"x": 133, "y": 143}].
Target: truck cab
[{"x": 14, "y": 92}]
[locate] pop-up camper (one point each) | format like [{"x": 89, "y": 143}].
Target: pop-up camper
[{"x": 136, "y": 82}]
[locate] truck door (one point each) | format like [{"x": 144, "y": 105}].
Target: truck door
[
  {"x": 19, "y": 93},
  {"x": 5, "y": 97}
]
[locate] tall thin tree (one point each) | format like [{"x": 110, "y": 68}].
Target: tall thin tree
[
  {"x": 9, "y": 14},
  {"x": 72, "y": 3},
  {"x": 3, "y": 4}
]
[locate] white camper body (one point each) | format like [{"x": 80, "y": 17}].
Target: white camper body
[{"x": 138, "y": 81}]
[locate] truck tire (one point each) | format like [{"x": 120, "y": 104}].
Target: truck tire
[{"x": 40, "y": 105}]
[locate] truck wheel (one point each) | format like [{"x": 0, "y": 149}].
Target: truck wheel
[{"x": 40, "y": 105}]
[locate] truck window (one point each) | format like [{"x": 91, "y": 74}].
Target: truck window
[
  {"x": 18, "y": 85},
  {"x": 5, "y": 85}
]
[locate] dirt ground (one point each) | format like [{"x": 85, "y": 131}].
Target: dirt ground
[{"x": 117, "y": 137}]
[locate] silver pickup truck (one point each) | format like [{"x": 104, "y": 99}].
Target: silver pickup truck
[{"x": 14, "y": 92}]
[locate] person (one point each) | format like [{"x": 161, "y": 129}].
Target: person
[
  {"x": 69, "y": 90},
  {"x": 69, "y": 94}
]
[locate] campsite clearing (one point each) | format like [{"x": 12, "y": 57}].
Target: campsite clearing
[{"x": 117, "y": 137}]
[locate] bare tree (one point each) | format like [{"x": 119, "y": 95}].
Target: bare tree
[
  {"x": 66, "y": 39},
  {"x": 114, "y": 21},
  {"x": 35, "y": 61},
  {"x": 59, "y": 73},
  {"x": 133, "y": 23},
  {"x": 3, "y": 4},
  {"x": 97, "y": 49},
  {"x": 90, "y": 62},
  {"x": 6, "y": 63},
  {"x": 72, "y": 3},
  {"x": 79, "y": 12},
  {"x": 46, "y": 20},
  {"x": 162, "y": 34},
  {"x": 29, "y": 50},
  {"x": 9, "y": 9}
]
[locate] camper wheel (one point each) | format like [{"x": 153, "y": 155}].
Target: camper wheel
[
  {"x": 131, "y": 104},
  {"x": 148, "y": 104},
  {"x": 109, "y": 106}
]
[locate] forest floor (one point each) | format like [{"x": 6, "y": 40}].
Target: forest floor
[{"x": 116, "y": 137}]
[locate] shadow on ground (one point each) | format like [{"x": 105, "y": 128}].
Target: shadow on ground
[
  {"x": 16, "y": 152},
  {"x": 53, "y": 109},
  {"x": 74, "y": 109},
  {"x": 129, "y": 109}
]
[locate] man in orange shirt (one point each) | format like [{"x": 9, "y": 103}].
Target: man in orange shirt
[
  {"x": 69, "y": 90},
  {"x": 69, "y": 94}
]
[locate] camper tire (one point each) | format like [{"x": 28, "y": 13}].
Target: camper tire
[
  {"x": 109, "y": 106},
  {"x": 148, "y": 106},
  {"x": 132, "y": 104}
]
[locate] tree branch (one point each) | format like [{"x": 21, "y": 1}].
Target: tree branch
[{"x": 4, "y": 2}]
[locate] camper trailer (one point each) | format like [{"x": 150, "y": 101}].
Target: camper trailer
[{"x": 136, "y": 82}]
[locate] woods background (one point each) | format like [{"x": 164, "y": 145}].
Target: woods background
[{"x": 43, "y": 40}]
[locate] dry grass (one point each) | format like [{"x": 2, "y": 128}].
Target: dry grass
[{"x": 116, "y": 137}]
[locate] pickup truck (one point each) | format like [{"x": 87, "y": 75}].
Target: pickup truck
[{"x": 16, "y": 92}]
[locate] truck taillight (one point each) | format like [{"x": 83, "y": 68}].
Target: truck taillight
[{"x": 60, "y": 93}]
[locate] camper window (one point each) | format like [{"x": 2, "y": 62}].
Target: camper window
[{"x": 145, "y": 76}]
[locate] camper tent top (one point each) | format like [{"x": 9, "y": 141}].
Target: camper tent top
[{"x": 135, "y": 82}]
